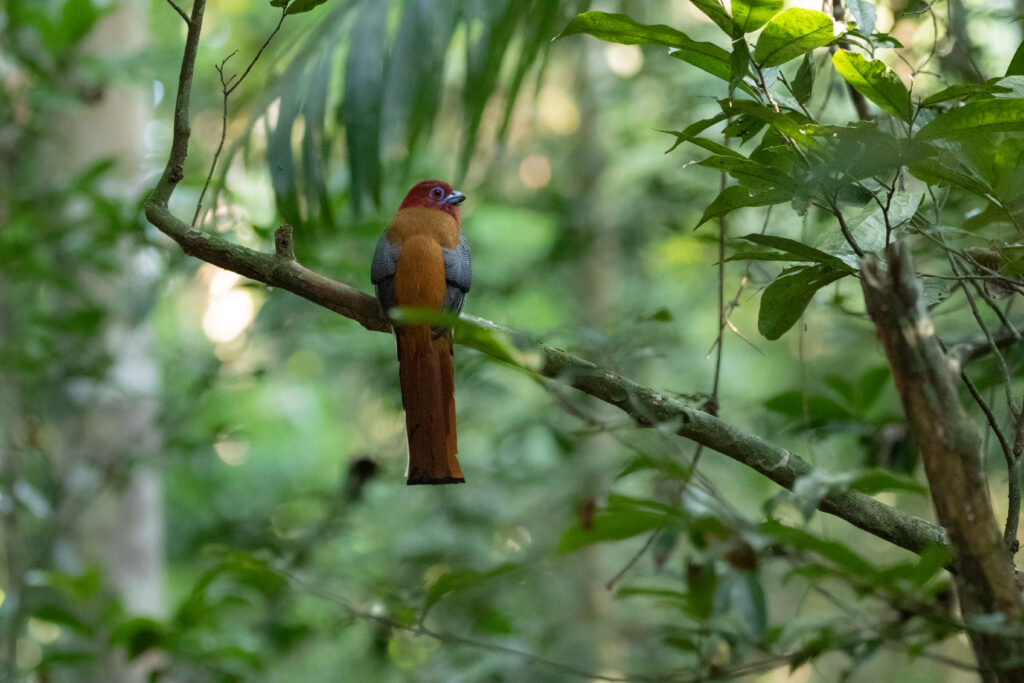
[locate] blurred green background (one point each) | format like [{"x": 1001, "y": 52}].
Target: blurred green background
[{"x": 186, "y": 488}]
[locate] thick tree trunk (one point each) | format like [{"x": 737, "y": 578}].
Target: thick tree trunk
[{"x": 950, "y": 448}]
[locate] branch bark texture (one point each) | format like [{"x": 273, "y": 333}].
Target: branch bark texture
[
  {"x": 646, "y": 406},
  {"x": 950, "y": 446}
]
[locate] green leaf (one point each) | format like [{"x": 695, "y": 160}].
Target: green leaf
[
  {"x": 707, "y": 57},
  {"x": 934, "y": 172},
  {"x": 737, "y": 196},
  {"x": 748, "y": 172},
  {"x": 834, "y": 551},
  {"x": 750, "y": 15},
  {"x": 792, "y": 124},
  {"x": 278, "y": 3},
  {"x": 716, "y": 12},
  {"x": 784, "y": 300},
  {"x": 875, "y": 81},
  {"x": 739, "y": 63},
  {"x": 791, "y": 34},
  {"x": 870, "y": 386},
  {"x": 619, "y": 28},
  {"x": 803, "y": 82},
  {"x": 701, "y": 581},
  {"x": 709, "y": 145},
  {"x": 864, "y": 13},
  {"x": 965, "y": 91},
  {"x": 461, "y": 579},
  {"x": 984, "y": 116},
  {"x": 614, "y": 523},
  {"x": 1016, "y": 66},
  {"x": 300, "y": 6},
  {"x": 875, "y": 480},
  {"x": 804, "y": 251}
]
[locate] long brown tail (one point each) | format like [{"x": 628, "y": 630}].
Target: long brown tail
[{"x": 428, "y": 396}]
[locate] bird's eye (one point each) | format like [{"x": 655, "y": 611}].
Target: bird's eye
[{"x": 437, "y": 193}]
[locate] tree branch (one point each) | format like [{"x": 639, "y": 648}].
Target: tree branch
[{"x": 646, "y": 406}]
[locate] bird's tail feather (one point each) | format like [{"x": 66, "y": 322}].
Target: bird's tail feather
[{"x": 428, "y": 396}]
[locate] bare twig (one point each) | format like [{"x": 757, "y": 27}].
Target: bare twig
[
  {"x": 180, "y": 11},
  {"x": 846, "y": 231},
  {"x": 227, "y": 87}
]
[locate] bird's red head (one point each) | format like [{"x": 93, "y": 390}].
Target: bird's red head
[{"x": 434, "y": 194}]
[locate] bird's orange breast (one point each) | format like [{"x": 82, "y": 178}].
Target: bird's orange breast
[{"x": 419, "y": 272}]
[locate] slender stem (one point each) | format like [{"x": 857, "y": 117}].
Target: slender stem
[
  {"x": 846, "y": 231},
  {"x": 179, "y": 11}
]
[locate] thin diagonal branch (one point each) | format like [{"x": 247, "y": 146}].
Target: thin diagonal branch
[{"x": 180, "y": 11}]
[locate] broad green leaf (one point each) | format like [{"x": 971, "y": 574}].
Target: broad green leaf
[
  {"x": 791, "y": 34},
  {"x": 984, "y": 116},
  {"x": 362, "y": 103},
  {"x": 716, "y": 12},
  {"x": 875, "y": 81},
  {"x": 737, "y": 196},
  {"x": 864, "y": 13},
  {"x": 803, "y": 82},
  {"x": 747, "y": 171},
  {"x": 300, "y": 6},
  {"x": 707, "y": 57},
  {"x": 784, "y": 300},
  {"x": 870, "y": 386},
  {"x": 461, "y": 579},
  {"x": 875, "y": 480},
  {"x": 750, "y": 15},
  {"x": 739, "y": 63},
  {"x": 791, "y": 124},
  {"x": 799, "y": 249},
  {"x": 623, "y": 518},
  {"x": 933, "y": 172},
  {"x": 964, "y": 91},
  {"x": 834, "y": 551},
  {"x": 619, "y": 28},
  {"x": 815, "y": 408},
  {"x": 278, "y": 3},
  {"x": 1016, "y": 66},
  {"x": 610, "y": 526},
  {"x": 701, "y": 581}
]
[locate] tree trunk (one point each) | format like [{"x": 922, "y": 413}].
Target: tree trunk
[{"x": 950, "y": 446}]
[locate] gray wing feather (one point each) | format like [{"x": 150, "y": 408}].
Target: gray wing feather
[
  {"x": 382, "y": 272},
  {"x": 458, "y": 274}
]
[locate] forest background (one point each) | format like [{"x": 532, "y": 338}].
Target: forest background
[{"x": 202, "y": 476}]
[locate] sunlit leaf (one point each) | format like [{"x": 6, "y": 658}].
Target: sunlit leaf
[
  {"x": 619, "y": 28},
  {"x": 864, "y": 13},
  {"x": 716, "y": 12},
  {"x": 750, "y": 15},
  {"x": 875, "y": 81},
  {"x": 791, "y": 34}
]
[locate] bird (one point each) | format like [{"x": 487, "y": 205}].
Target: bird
[{"x": 423, "y": 260}]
